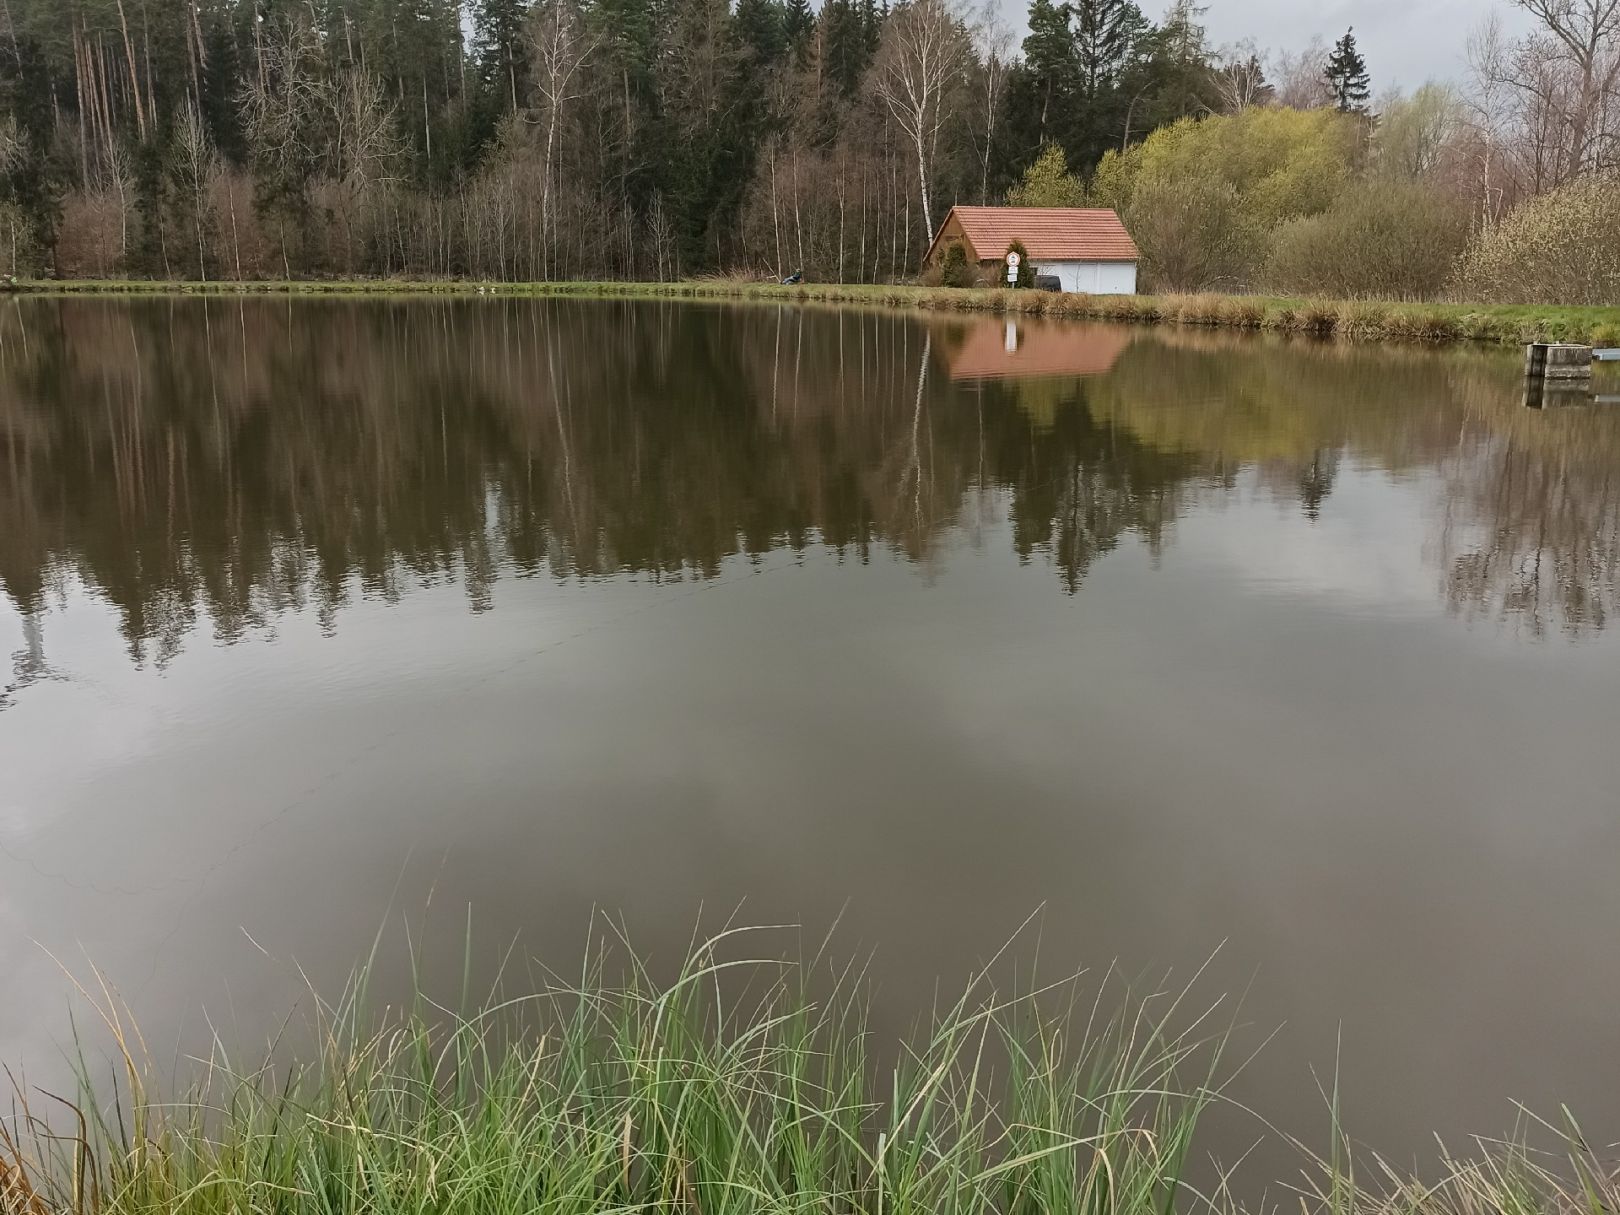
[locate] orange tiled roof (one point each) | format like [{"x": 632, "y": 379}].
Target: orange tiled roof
[
  {"x": 1043, "y": 349},
  {"x": 1059, "y": 234}
]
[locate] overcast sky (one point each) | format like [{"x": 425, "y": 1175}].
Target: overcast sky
[{"x": 1405, "y": 42}]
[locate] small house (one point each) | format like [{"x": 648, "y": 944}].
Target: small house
[{"x": 1084, "y": 248}]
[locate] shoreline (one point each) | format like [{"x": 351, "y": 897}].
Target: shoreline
[{"x": 1365, "y": 320}]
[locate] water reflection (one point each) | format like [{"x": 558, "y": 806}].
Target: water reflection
[
  {"x": 212, "y": 464},
  {"x": 1188, "y": 637},
  {"x": 1015, "y": 348}
]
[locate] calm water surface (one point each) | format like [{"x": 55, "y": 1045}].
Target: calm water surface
[{"x": 317, "y": 608}]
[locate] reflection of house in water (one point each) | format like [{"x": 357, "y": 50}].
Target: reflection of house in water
[{"x": 1006, "y": 348}]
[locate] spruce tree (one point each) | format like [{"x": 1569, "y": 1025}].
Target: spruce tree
[
  {"x": 1346, "y": 74},
  {"x": 872, "y": 18},
  {"x": 1105, "y": 34},
  {"x": 845, "y": 43},
  {"x": 220, "y": 85},
  {"x": 761, "y": 27},
  {"x": 799, "y": 23}
]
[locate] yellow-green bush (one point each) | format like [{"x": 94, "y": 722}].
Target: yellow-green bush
[
  {"x": 1202, "y": 197},
  {"x": 1563, "y": 247}
]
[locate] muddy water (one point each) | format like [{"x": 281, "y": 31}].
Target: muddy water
[{"x": 321, "y": 613}]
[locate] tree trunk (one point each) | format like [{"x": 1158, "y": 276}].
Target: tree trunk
[{"x": 134, "y": 76}]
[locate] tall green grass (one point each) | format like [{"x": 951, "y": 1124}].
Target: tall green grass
[{"x": 741, "y": 1084}]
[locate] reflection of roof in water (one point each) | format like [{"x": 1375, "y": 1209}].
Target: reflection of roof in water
[{"x": 1043, "y": 349}]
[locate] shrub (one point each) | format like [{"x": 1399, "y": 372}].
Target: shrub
[
  {"x": 1191, "y": 231},
  {"x": 1201, "y": 197},
  {"x": 1026, "y": 268},
  {"x": 1563, "y": 247},
  {"x": 92, "y": 235},
  {"x": 1392, "y": 240},
  {"x": 955, "y": 270}
]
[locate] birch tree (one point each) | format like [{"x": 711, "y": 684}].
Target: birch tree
[
  {"x": 919, "y": 72},
  {"x": 562, "y": 45}
]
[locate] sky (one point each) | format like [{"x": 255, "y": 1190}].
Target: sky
[{"x": 1405, "y": 42}]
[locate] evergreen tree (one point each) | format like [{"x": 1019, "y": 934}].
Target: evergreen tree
[
  {"x": 222, "y": 75},
  {"x": 1178, "y": 67},
  {"x": 29, "y": 180},
  {"x": 872, "y": 17},
  {"x": 1346, "y": 74},
  {"x": 761, "y": 27},
  {"x": 1105, "y": 36},
  {"x": 701, "y": 159},
  {"x": 844, "y": 45},
  {"x": 1041, "y": 97},
  {"x": 798, "y": 24},
  {"x": 502, "y": 52}
]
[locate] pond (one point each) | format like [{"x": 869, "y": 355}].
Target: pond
[{"x": 324, "y": 614}]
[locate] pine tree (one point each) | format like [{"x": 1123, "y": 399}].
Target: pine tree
[
  {"x": 1051, "y": 69},
  {"x": 1346, "y": 74},
  {"x": 502, "y": 51}
]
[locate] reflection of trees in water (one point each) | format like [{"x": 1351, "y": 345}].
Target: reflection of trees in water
[
  {"x": 1529, "y": 521},
  {"x": 1545, "y": 550},
  {"x": 237, "y": 460},
  {"x": 1531, "y": 533}
]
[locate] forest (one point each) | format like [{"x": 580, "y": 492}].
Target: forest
[{"x": 659, "y": 139}]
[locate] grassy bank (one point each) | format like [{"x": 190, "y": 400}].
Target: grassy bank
[
  {"x": 627, "y": 1095},
  {"x": 1360, "y": 319}
]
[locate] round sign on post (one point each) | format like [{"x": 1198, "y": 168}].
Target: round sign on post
[{"x": 1012, "y": 267}]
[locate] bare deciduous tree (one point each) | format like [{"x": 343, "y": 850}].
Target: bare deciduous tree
[
  {"x": 1240, "y": 78},
  {"x": 1546, "y": 107},
  {"x": 194, "y": 165},
  {"x": 995, "y": 46},
  {"x": 918, "y": 76},
  {"x": 1585, "y": 36},
  {"x": 562, "y": 45},
  {"x": 365, "y": 147},
  {"x": 1300, "y": 83}
]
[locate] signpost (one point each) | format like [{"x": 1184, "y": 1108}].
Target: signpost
[{"x": 1012, "y": 267}]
